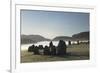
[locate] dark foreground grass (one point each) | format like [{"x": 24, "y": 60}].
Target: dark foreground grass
[{"x": 77, "y": 52}]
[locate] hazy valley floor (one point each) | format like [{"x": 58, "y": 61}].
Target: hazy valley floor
[{"x": 78, "y": 52}]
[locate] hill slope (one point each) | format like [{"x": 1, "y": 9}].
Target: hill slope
[
  {"x": 78, "y": 36},
  {"x": 25, "y": 39},
  {"x": 81, "y": 36},
  {"x": 62, "y": 38}
]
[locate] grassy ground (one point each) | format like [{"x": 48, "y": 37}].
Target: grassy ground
[{"x": 78, "y": 52}]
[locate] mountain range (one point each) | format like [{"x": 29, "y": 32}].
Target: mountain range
[{"x": 26, "y": 39}]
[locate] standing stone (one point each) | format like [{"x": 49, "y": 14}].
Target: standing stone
[
  {"x": 31, "y": 48},
  {"x": 61, "y": 49},
  {"x": 69, "y": 42},
  {"x": 46, "y": 50}
]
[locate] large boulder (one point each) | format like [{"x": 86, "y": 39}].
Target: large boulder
[
  {"x": 36, "y": 50},
  {"x": 41, "y": 49},
  {"x": 31, "y": 48},
  {"x": 61, "y": 48},
  {"x": 46, "y": 50},
  {"x": 53, "y": 50}
]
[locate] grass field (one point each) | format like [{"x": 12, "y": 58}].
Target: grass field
[{"x": 77, "y": 52}]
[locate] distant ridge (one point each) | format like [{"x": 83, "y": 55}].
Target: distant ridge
[
  {"x": 66, "y": 38},
  {"x": 78, "y": 36},
  {"x": 26, "y": 39},
  {"x": 81, "y": 36}
]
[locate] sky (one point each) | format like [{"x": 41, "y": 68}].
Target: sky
[{"x": 50, "y": 24}]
